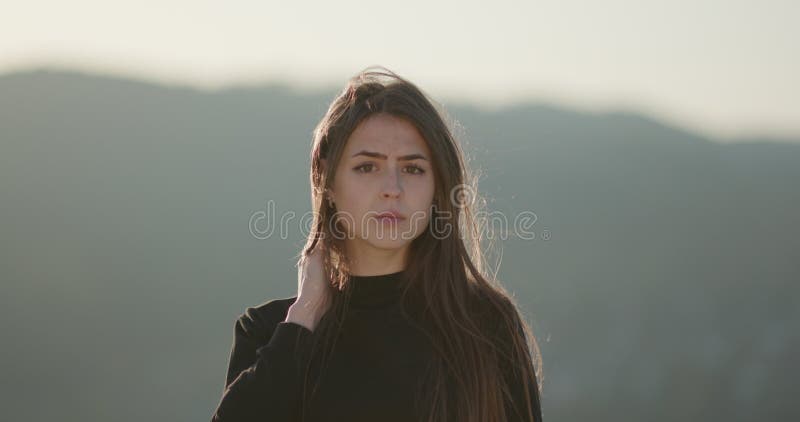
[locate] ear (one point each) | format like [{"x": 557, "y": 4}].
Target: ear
[{"x": 323, "y": 167}]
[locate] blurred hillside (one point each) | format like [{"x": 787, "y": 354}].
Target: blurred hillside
[{"x": 666, "y": 290}]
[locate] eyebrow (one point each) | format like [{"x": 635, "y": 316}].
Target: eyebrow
[{"x": 383, "y": 156}]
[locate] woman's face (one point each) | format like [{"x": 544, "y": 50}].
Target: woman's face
[{"x": 386, "y": 166}]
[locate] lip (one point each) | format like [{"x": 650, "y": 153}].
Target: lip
[{"x": 392, "y": 214}]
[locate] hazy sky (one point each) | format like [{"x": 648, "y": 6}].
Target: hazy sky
[{"x": 724, "y": 68}]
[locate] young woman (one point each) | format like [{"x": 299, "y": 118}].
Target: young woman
[{"x": 394, "y": 319}]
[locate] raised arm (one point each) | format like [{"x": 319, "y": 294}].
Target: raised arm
[
  {"x": 262, "y": 382},
  {"x": 271, "y": 348}
]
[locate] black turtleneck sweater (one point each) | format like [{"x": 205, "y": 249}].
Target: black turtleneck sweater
[{"x": 373, "y": 374}]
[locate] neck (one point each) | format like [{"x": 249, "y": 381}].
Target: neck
[
  {"x": 373, "y": 292},
  {"x": 368, "y": 261}
]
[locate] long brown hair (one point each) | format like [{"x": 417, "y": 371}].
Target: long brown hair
[{"x": 466, "y": 310}]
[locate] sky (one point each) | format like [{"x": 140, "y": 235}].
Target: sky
[{"x": 726, "y": 69}]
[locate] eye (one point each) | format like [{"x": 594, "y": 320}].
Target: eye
[
  {"x": 416, "y": 169},
  {"x": 360, "y": 169}
]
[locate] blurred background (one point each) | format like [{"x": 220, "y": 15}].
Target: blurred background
[{"x": 657, "y": 143}]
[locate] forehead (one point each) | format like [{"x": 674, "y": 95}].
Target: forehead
[{"x": 386, "y": 134}]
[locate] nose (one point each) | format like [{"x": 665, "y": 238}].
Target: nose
[{"x": 391, "y": 184}]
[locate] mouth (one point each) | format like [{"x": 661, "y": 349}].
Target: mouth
[{"x": 390, "y": 215}]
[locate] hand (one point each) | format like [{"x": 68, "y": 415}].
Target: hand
[{"x": 314, "y": 291}]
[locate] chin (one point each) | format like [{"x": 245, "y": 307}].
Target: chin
[{"x": 388, "y": 244}]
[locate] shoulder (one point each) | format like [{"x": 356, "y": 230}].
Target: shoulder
[
  {"x": 491, "y": 305},
  {"x": 258, "y": 322},
  {"x": 495, "y": 310}
]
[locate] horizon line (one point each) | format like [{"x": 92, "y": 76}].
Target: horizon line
[{"x": 325, "y": 88}]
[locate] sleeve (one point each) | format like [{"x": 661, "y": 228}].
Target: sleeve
[
  {"x": 515, "y": 405},
  {"x": 262, "y": 382}
]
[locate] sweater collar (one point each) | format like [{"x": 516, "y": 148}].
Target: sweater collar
[{"x": 376, "y": 291}]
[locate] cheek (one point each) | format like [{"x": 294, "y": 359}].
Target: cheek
[
  {"x": 421, "y": 205},
  {"x": 347, "y": 192},
  {"x": 423, "y": 193},
  {"x": 351, "y": 202}
]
